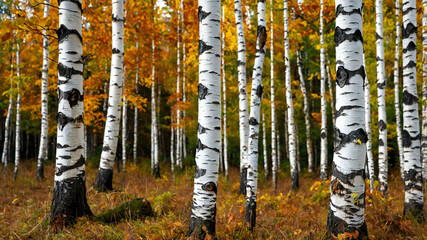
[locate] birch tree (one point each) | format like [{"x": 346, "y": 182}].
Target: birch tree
[
  {"x": 135, "y": 117},
  {"x": 396, "y": 82},
  {"x": 178, "y": 91},
  {"x": 323, "y": 131},
  {"x": 69, "y": 194},
  {"x": 369, "y": 155},
  {"x": 331, "y": 90},
  {"x": 18, "y": 116},
  {"x": 243, "y": 98},
  {"x": 273, "y": 104},
  {"x": 424, "y": 108},
  {"x": 104, "y": 178},
  {"x": 411, "y": 132},
  {"x": 306, "y": 113},
  {"x": 209, "y": 120},
  {"x": 154, "y": 132},
  {"x": 264, "y": 147},
  {"x": 381, "y": 85},
  {"x": 254, "y": 120},
  {"x": 289, "y": 103},
  {"x": 42, "y": 156},
  {"x": 5, "y": 154},
  {"x": 224, "y": 97},
  {"x": 124, "y": 133},
  {"x": 347, "y": 203}
]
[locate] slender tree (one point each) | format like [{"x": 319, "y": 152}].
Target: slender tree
[
  {"x": 243, "y": 98},
  {"x": 184, "y": 100},
  {"x": 178, "y": 90},
  {"x": 135, "y": 117},
  {"x": 69, "y": 194},
  {"x": 104, "y": 178},
  {"x": 124, "y": 131},
  {"x": 224, "y": 98},
  {"x": 209, "y": 120},
  {"x": 424, "y": 108},
  {"x": 289, "y": 103},
  {"x": 381, "y": 85},
  {"x": 411, "y": 131},
  {"x": 331, "y": 90},
  {"x": 154, "y": 132},
  {"x": 396, "y": 82},
  {"x": 273, "y": 104},
  {"x": 323, "y": 131},
  {"x": 172, "y": 145},
  {"x": 18, "y": 116},
  {"x": 347, "y": 203},
  {"x": 306, "y": 113},
  {"x": 42, "y": 156},
  {"x": 5, "y": 154},
  {"x": 369, "y": 155}
]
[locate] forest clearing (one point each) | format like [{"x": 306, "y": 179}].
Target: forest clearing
[{"x": 213, "y": 119}]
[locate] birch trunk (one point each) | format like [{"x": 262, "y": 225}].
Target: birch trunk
[
  {"x": 135, "y": 120},
  {"x": 411, "y": 132},
  {"x": 43, "y": 150},
  {"x": 155, "y": 149},
  {"x": 381, "y": 85},
  {"x": 178, "y": 91},
  {"x": 254, "y": 120},
  {"x": 424, "y": 108},
  {"x": 5, "y": 154},
  {"x": 347, "y": 203},
  {"x": 172, "y": 144},
  {"x": 124, "y": 133},
  {"x": 369, "y": 155},
  {"x": 69, "y": 195},
  {"x": 331, "y": 92},
  {"x": 224, "y": 95},
  {"x": 289, "y": 103},
  {"x": 243, "y": 98},
  {"x": 278, "y": 152},
  {"x": 264, "y": 147},
  {"x": 184, "y": 100},
  {"x": 209, "y": 120},
  {"x": 273, "y": 104},
  {"x": 18, "y": 117},
  {"x": 306, "y": 114},
  {"x": 324, "y": 129},
  {"x": 104, "y": 178},
  {"x": 396, "y": 81}
]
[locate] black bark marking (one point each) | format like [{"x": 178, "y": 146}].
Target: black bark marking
[
  {"x": 259, "y": 90},
  {"x": 344, "y": 75},
  {"x": 408, "y": 98},
  {"x": 203, "y": 91},
  {"x": 407, "y": 139},
  {"x": 347, "y": 107},
  {"x": 156, "y": 171},
  {"x": 73, "y": 97},
  {"x": 202, "y": 14},
  {"x": 243, "y": 180},
  {"x": 411, "y": 47},
  {"x": 341, "y": 36},
  {"x": 240, "y": 63},
  {"x": 63, "y": 120},
  {"x": 323, "y": 134},
  {"x": 381, "y": 142},
  {"x": 411, "y": 64},
  {"x": 115, "y": 51},
  {"x": 59, "y": 146},
  {"x": 357, "y": 136},
  {"x": 382, "y": 125},
  {"x": 381, "y": 85},
  {"x": 253, "y": 121},
  {"x": 377, "y": 36},
  {"x": 413, "y": 181},
  {"x": 250, "y": 216},
  {"x": 201, "y": 129},
  {"x": 59, "y": 171},
  {"x": 63, "y": 32},
  {"x": 203, "y": 47},
  {"x": 345, "y": 178},
  {"x": 106, "y": 148},
  {"x": 210, "y": 187},
  {"x": 340, "y": 10},
  {"x": 262, "y": 37},
  {"x": 104, "y": 180},
  {"x": 201, "y": 146},
  {"x": 410, "y": 29},
  {"x": 199, "y": 172},
  {"x": 196, "y": 226},
  {"x": 407, "y": 11},
  {"x": 116, "y": 18},
  {"x": 66, "y": 72},
  {"x": 336, "y": 225},
  {"x": 69, "y": 201},
  {"x": 79, "y": 4}
]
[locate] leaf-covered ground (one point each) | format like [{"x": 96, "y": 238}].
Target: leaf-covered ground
[{"x": 281, "y": 215}]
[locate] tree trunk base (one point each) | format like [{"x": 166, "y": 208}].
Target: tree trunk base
[
  {"x": 156, "y": 171},
  {"x": 104, "y": 180},
  {"x": 135, "y": 209},
  {"x": 69, "y": 202},
  {"x": 295, "y": 180},
  {"x": 250, "y": 216},
  {"x": 196, "y": 227},
  {"x": 243, "y": 180},
  {"x": 323, "y": 176},
  {"x": 40, "y": 173},
  {"x": 384, "y": 188},
  {"x": 337, "y": 226},
  {"x": 414, "y": 209}
]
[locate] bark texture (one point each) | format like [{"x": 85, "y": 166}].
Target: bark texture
[
  {"x": 18, "y": 117},
  {"x": 369, "y": 155},
  {"x": 224, "y": 102},
  {"x": 323, "y": 129},
  {"x": 5, "y": 154},
  {"x": 424, "y": 108},
  {"x": 273, "y": 104},
  {"x": 347, "y": 203}
]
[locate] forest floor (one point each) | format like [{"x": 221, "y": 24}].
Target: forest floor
[{"x": 281, "y": 214}]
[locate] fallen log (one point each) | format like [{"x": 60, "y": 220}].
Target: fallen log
[{"x": 137, "y": 208}]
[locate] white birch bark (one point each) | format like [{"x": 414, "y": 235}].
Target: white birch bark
[
  {"x": 347, "y": 203},
  {"x": 396, "y": 81},
  {"x": 254, "y": 119},
  {"x": 278, "y": 152},
  {"x": 331, "y": 91},
  {"x": 306, "y": 114},
  {"x": 381, "y": 85},
  {"x": 154, "y": 131},
  {"x": 6, "y": 152},
  {"x": 69, "y": 195},
  {"x": 209, "y": 120},
  {"x": 424, "y": 108},
  {"x": 18, "y": 116},
  {"x": 243, "y": 98},
  {"x": 104, "y": 177},
  {"x": 42, "y": 156},
  {"x": 411, "y": 131},
  {"x": 124, "y": 131},
  {"x": 178, "y": 91},
  {"x": 135, "y": 120},
  {"x": 184, "y": 100},
  {"x": 289, "y": 103},
  {"x": 369, "y": 155},
  {"x": 264, "y": 147},
  {"x": 224, "y": 97},
  {"x": 273, "y": 105},
  {"x": 324, "y": 129},
  {"x": 172, "y": 145}
]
